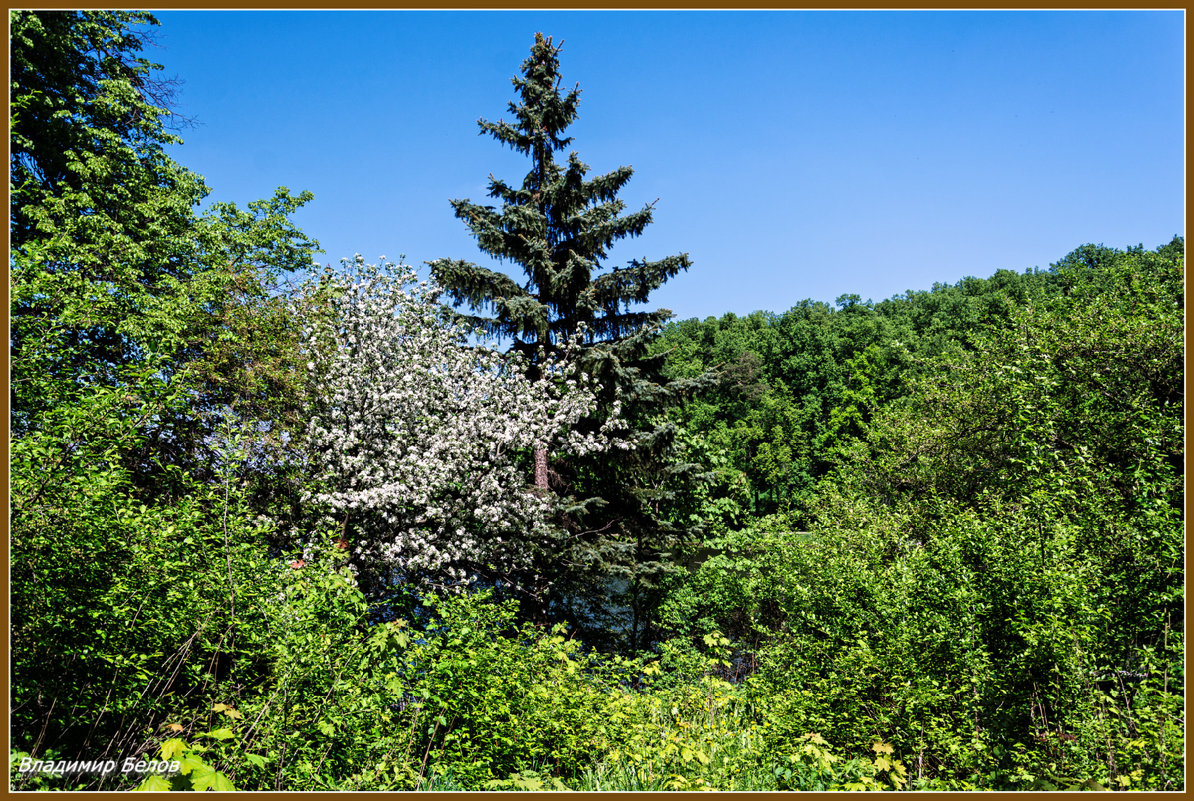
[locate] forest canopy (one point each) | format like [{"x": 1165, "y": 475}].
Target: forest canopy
[{"x": 328, "y": 532}]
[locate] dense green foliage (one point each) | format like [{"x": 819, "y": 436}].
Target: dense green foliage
[
  {"x": 140, "y": 329},
  {"x": 796, "y": 385},
  {"x": 939, "y": 544},
  {"x": 992, "y": 577}
]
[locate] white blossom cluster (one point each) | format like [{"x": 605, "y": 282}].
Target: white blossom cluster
[{"x": 417, "y": 433}]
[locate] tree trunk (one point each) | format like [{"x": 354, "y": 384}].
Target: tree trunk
[{"x": 541, "y": 468}]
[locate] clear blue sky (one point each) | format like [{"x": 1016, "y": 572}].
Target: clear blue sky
[{"x": 794, "y": 154}]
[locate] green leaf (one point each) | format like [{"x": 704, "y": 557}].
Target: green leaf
[
  {"x": 191, "y": 763},
  {"x": 219, "y": 734},
  {"x": 154, "y": 783},
  {"x": 211, "y": 780},
  {"x": 173, "y": 749}
]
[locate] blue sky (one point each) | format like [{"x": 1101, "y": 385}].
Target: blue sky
[{"x": 794, "y": 154}]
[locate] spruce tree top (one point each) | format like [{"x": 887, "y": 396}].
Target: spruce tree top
[{"x": 558, "y": 227}]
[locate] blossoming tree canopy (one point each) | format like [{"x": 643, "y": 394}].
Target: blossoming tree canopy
[{"x": 420, "y": 440}]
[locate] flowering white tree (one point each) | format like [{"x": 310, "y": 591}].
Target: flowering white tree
[{"x": 419, "y": 440}]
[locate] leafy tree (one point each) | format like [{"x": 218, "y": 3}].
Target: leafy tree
[
  {"x": 112, "y": 268},
  {"x": 86, "y": 104},
  {"x": 413, "y": 435},
  {"x": 144, "y": 336},
  {"x": 558, "y": 226}
]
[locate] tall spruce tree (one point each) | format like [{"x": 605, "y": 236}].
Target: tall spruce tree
[{"x": 617, "y": 508}]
